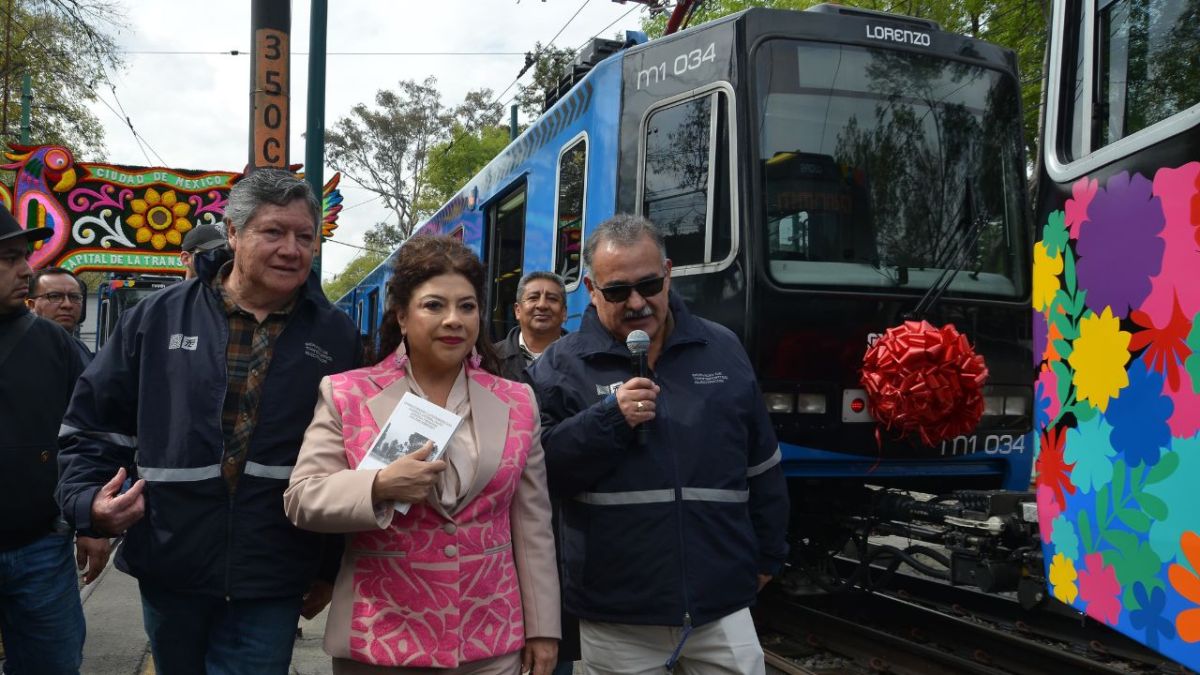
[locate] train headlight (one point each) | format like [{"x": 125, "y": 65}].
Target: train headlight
[
  {"x": 1015, "y": 406},
  {"x": 993, "y": 405},
  {"x": 779, "y": 403},
  {"x": 810, "y": 404}
]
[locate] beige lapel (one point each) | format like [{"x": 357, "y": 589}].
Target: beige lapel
[
  {"x": 381, "y": 406},
  {"x": 490, "y": 417}
]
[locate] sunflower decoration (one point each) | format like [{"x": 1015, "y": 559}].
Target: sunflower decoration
[{"x": 160, "y": 219}]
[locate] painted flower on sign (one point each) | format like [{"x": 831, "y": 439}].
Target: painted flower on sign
[
  {"x": 1099, "y": 588},
  {"x": 1062, "y": 578},
  {"x": 1119, "y": 247},
  {"x": 1046, "y": 269},
  {"x": 160, "y": 219},
  {"x": 1099, "y": 356},
  {"x": 1187, "y": 583}
]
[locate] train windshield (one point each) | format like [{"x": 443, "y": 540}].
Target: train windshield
[{"x": 883, "y": 168}]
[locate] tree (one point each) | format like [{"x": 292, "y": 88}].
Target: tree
[
  {"x": 453, "y": 163},
  {"x": 1020, "y": 25},
  {"x": 67, "y": 49},
  {"x": 549, "y": 65},
  {"x": 358, "y": 268},
  {"x": 384, "y": 149}
]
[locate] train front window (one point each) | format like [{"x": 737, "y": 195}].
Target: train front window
[{"x": 883, "y": 168}]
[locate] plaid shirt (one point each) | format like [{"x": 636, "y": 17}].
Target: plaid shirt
[{"x": 247, "y": 357}]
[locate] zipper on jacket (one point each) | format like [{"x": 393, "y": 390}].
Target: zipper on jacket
[
  {"x": 229, "y": 545},
  {"x": 660, "y": 405}
]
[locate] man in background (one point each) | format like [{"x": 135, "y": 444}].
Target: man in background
[
  {"x": 41, "y": 618},
  {"x": 198, "y": 241},
  {"x": 541, "y": 310},
  {"x": 58, "y": 295}
]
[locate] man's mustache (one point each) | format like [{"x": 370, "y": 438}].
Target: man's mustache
[{"x": 639, "y": 314}]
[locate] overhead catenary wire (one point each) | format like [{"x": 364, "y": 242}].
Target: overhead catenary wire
[
  {"x": 539, "y": 52},
  {"x": 245, "y": 52}
]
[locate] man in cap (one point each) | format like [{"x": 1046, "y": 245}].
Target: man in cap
[
  {"x": 200, "y": 240},
  {"x": 41, "y": 619}
]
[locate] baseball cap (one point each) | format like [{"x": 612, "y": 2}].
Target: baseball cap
[
  {"x": 203, "y": 238},
  {"x": 11, "y": 229}
]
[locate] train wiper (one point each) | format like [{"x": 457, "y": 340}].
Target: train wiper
[{"x": 957, "y": 259}]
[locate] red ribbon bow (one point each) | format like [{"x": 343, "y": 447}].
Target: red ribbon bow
[{"x": 925, "y": 381}]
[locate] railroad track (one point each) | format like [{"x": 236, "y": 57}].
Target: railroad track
[{"x": 871, "y": 633}]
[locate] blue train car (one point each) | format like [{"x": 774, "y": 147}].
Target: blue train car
[{"x": 815, "y": 174}]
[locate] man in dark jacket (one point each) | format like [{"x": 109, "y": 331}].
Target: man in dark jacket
[
  {"x": 58, "y": 295},
  {"x": 666, "y": 542},
  {"x": 208, "y": 387},
  {"x": 41, "y": 620},
  {"x": 540, "y": 310}
]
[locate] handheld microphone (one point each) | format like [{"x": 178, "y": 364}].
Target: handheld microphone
[{"x": 638, "y": 344}]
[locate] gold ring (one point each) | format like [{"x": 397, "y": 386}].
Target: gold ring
[{"x": 640, "y": 406}]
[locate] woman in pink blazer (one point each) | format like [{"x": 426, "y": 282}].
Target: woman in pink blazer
[{"x": 466, "y": 580}]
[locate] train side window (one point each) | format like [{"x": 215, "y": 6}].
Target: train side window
[
  {"x": 1124, "y": 67},
  {"x": 506, "y": 248},
  {"x": 372, "y": 314},
  {"x": 1146, "y": 64},
  {"x": 685, "y": 178},
  {"x": 568, "y": 212}
]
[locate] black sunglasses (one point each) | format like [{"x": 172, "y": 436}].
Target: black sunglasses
[{"x": 620, "y": 292}]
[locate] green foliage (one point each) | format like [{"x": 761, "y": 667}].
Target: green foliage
[
  {"x": 354, "y": 273},
  {"x": 548, "y": 66},
  {"x": 388, "y": 148},
  {"x": 67, "y": 48},
  {"x": 1019, "y": 25},
  {"x": 453, "y": 163}
]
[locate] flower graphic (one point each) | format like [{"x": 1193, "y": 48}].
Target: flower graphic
[
  {"x": 1148, "y": 616},
  {"x": 1186, "y": 582},
  {"x": 1139, "y": 417},
  {"x": 1064, "y": 538},
  {"x": 1077, "y": 207},
  {"x": 1040, "y": 337},
  {"x": 159, "y": 218},
  {"x": 1089, "y": 449},
  {"x": 1099, "y": 357},
  {"x": 1173, "y": 480},
  {"x": 1099, "y": 588},
  {"x": 1166, "y": 347},
  {"x": 1192, "y": 363},
  {"x": 1046, "y": 269},
  {"x": 1048, "y": 510},
  {"x": 1119, "y": 247},
  {"x": 1062, "y": 578},
  {"x": 1045, "y": 397},
  {"x": 1051, "y": 470}
]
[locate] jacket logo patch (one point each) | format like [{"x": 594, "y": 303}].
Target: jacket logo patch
[
  {"x": 709, "y": 378},
  {"x": 181, "y": 341},
  {"x": 606, "y": 389},
  {"x": 315, "y": 351}
]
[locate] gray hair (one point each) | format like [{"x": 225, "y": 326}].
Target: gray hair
[
  {"x": 534, "y": 276},
  {"x": 623, "y": 229},
  {"x": 268, "y": 186}
]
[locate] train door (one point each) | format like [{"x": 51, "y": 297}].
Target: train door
[{"x": 505, "y": 247}]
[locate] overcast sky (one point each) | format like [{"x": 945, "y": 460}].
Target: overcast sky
[{"x": 192, "y": 108}]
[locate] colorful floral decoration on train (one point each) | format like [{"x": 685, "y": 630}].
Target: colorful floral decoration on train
[
  {"x": 115, "y": 218},
  {"x": 1116, "y": 302}
]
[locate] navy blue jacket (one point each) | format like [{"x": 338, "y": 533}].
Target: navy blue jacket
[
  {"x": 677, "y": 530},
  {"x": 152, "y": 400}
]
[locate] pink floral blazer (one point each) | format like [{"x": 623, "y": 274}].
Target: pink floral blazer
[{"x": 431, "y": 588}]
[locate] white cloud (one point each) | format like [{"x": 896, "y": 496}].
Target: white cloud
[{"x": 193, "y": 109}]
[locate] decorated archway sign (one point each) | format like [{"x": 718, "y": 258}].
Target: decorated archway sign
[{"x": 113, "y": 218}]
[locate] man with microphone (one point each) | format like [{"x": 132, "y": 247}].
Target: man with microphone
[{"x": 674, "y": 502}]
